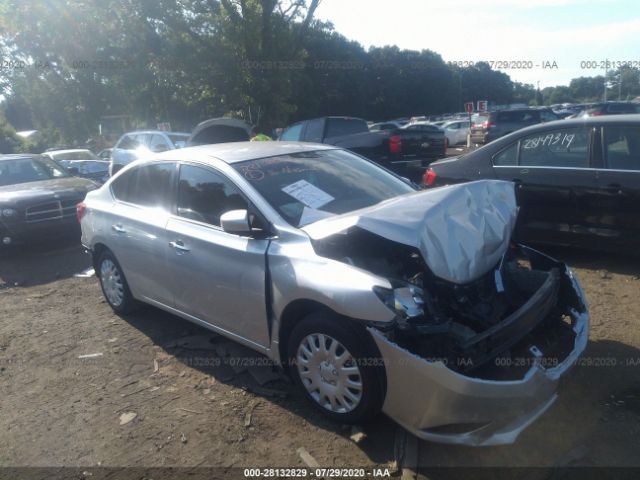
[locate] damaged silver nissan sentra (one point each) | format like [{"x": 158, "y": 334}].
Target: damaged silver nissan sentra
[{"x": 374, "y": 296}]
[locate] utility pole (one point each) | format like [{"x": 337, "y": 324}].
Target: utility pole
[
  {"x": 619, "y": 84},
  {"x": 605, "y": 84}
]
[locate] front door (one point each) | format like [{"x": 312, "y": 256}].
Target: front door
[{"x": 218, "y": 277}]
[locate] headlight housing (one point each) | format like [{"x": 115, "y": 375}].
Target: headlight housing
[
  {"x": 405, "y": 301},
  {"x": 8, "y": 212}
]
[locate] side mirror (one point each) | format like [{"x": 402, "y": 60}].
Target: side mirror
[
  {"x": 180, "y": 144},
  {"x": 235, "y": 221}
]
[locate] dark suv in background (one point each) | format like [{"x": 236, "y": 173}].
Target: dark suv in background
[{"x": 500, "y": 123}]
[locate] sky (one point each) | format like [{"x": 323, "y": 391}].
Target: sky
[{"x": 536, "y": 32}]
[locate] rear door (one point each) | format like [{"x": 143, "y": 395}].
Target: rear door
[
  {"x": 619, "y": 185},
  {"x": 556, "y": 186},
  {"x": 136, "y": 225},
  {"x": 217, "y": 277}
]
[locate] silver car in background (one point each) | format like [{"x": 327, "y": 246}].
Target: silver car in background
[
  {"x": 139, "y": 144},
  {"x": 373, "y": 295}
]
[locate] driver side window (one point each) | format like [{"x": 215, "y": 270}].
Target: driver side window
[{"x": 204, "y": 195}]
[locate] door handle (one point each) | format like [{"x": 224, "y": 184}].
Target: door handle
[
  {"x": 179, "y": 246},
  {"x": 118, "y": 228}
]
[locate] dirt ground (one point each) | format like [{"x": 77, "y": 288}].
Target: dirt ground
[{"x": 158, "y": 391}]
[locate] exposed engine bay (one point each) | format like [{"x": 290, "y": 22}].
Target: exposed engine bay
[{"x": 515, "y": 314}]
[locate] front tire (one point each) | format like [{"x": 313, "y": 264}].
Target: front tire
[
  {"x": 114, "y": 285},
  {"x": 337, "y": 366}
]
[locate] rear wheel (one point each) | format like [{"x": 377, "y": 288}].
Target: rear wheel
[
  {"x": 114, "y": 285},
  {"x": 337, "y": 366}
]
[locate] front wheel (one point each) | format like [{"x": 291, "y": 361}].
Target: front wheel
[{"x": 337, "y": 366}]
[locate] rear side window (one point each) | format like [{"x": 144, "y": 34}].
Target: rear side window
[
  {"x": 147, "y": 186},
  {"x": 567, "y": 147},
  {"x": 507, "y": 157},
  {"x": 314, "y": 131},
  {"x": 292, "y": 134},
  {"x": 204, "y": 195},
  {"x": 622, "y": 147},
  {"x": 338, "y": 127}
]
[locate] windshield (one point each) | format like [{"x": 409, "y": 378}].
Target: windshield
[
  {"x": 306, "y": 187},
  {"x": 77, "y": 155},
  {"x": 25, "y": 170}
]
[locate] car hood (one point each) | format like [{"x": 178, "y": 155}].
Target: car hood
[
  {"x": 462, "y": 231},
  {"x": 69, "y": 187}
]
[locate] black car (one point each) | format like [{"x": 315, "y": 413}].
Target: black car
[
  {"x": 500, "y": 123},
  {"x": 577, "y": 181},
  {"x": 38, "y": 198}
]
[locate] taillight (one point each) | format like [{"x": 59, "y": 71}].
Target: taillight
[
  {"x": 395, "y": 144},
  {"x": 81, "y": 209},
  {"x": 597, "y": 113},
  {"x": 446, "y": 143},
  {"x": 429, "y": 177},
  {"x": 487, "y": 125}
]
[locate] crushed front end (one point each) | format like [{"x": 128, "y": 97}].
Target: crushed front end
[
  {"x": 483, "y": 330},
  {"x": 479, "y": 370}
]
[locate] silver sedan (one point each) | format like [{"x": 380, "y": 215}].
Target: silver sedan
[{"x": 373, "y": 295}]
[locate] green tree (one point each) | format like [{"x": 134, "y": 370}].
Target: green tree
[{"x": 9, "y": 141}]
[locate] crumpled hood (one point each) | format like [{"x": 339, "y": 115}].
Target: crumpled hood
[{"x": 461, "y": 230}]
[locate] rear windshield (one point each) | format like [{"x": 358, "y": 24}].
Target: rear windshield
[
  {"x": 337, "y": 127},
  {"x": 479, "y": 118},
  {"x": 306, "y": 187}
]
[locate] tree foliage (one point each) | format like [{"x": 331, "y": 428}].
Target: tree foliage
[{"x": 73, "y": 63}]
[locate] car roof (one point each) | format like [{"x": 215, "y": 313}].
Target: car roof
[
  {"x": 70, "y": 150},
  {"x": 136, "y": 132},
  {"x": 17, "y": 156},
  {"x": 235, "y": 152},
  {"x": 600, "y": 120}
]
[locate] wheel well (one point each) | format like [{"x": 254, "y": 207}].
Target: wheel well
[
  {"x": 97, "y": 250},
  {"x": 292, "y": 314}
]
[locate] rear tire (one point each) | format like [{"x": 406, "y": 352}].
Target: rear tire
[
  {"x": 114, "y": 285},
  {"x": 337, "y": 365}
]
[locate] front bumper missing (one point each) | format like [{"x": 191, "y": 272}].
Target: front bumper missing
[{"x": 437, "y": 404}]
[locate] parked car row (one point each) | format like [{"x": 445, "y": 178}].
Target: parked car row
[
  {"x": 404, "y": 150},
  {"x": 81, "y": 163}
]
